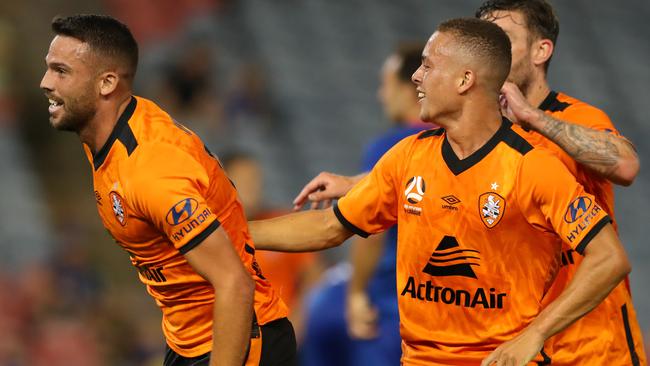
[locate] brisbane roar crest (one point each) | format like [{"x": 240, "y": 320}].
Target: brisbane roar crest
[
  {"x": 117, "y": 203},
  {"x": 491, "y": 207}
]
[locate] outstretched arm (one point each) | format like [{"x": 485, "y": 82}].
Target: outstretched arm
[
  {"x": 604, "y": 266},
  {"x": 305, "y": 231},
  {"x": 324, "y": 188},
  {"x": 611, "y": 156}
]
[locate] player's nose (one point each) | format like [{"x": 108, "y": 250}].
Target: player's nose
[
  {"x": 417, "y": 76},
  {"x": 46, "y": 82}
]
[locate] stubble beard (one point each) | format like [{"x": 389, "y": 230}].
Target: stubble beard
[{"x": 76, "y": 114}]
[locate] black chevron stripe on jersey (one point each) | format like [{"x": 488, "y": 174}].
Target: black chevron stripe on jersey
[{"x": 444, "y": 260}]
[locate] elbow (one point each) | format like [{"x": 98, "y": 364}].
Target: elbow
[
  {"x": 624, "y": 267},
  {"x": 626, "y": 171},
  {"x": 336, "y": 233},
  {"x": 240, "y": 285},
  {"x": 620, "y": 266}
]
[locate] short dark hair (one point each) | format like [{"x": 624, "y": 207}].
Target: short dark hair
[
  {"x": 484, "y": 40},
  {"x": 539, "y": 14},
  {"x": 104, "y": 34},
  {"x": 410, "y": 57}
]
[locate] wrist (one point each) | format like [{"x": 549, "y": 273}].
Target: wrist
[
  {"x": 536, "y": 331},
  {"x": 535, "y": 119}
]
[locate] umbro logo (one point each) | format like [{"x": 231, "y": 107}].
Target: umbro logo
[
  {"x": 449, "y": 260},
  {"x": 450, "y": 202}
]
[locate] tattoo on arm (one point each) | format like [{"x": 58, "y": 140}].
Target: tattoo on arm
[{"x": 597, "y": 150}]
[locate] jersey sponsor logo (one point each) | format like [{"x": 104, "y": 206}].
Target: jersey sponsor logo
[
  {"x": 584, "y": 224},
  {"x": 450, "y": 202},
  {"x": 118, "y": 207},
  {"x": 480, "y": 297},
  {"x": 449, "y": 260},
  {"x": 179, "y": 234},
  {"x": 491, "y": 207},
  {"x": 152, "y": 274},
  {"x": 577, "y": 208},
  {"x": 181, "y": 211},
  {"x": 98, "y": 198}
]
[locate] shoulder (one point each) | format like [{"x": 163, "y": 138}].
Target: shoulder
[
  {"x": 152, "y": 124},
  {"x": 577, "y": 111},
  {"x": 517, "y": 139}
]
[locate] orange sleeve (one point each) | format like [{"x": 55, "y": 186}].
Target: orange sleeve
[
  {"x": 553, "y": 200},
  {"x": 370, "y": 206},
  {"x": 589, "y": 116},
  {"x": 166, "y": 191}
]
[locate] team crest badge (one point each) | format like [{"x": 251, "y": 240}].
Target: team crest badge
[
  {"x": 118, "y": 207},
  {"x": 491, "y": 207}
]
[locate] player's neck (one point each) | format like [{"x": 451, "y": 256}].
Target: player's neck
[
  {"x": 473, "y": 129},
  {"x": 97, "y": 131},
  {"x": 537, "y": 90}
]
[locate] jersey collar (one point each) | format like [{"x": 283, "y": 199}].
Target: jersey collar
[
  {"x": 552, "y": 104},
  {"x": 121, "y": 132},
  {"x": 458, "y": 166}
]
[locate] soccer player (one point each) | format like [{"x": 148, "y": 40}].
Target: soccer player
[
  {"x": 166, "y": 201},
  {"x": 354, "y": 309},
  {"x": 481, "y": 215},
  {"x": 596, "y": 154}
]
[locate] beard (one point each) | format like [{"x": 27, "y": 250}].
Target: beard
[
  {"x": 76, "y": 113},
  {"x": 521, "y": 75}
]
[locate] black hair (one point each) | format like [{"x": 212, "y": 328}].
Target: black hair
[
  {"x": 484, "y": 40},
  {"x": 105, "y": 35}
]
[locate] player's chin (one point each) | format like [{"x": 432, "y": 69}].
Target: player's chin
[
  {"x": 60, "y": 124},
  {"x": 424, "y": 115}
]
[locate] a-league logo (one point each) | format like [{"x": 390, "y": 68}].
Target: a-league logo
[{"x": 415, "y": 188}]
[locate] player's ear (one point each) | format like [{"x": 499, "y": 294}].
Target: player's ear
[
  {"x": 108, "y": 82},
  {"x": 466, "y": 81},
  {"x": 542, "y": 51}
]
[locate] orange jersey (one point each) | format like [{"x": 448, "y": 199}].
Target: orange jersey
[
  {"x": 610, "y": 334},
  {"x": 479, "y": 239},
  {"x": 160, "y": 193}
]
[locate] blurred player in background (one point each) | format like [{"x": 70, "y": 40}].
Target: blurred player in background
[
  {"x": 471, "y": 278},
  {"x": 166, "y": 201},
  {"x": 363, "y": 292},
  {"x": 587, "y": 143},
  {"x": 292, "y": 274}
]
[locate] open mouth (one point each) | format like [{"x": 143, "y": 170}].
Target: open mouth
[
  {"x": 420, "y": 96},
  {"x": 55, "y": 105}
]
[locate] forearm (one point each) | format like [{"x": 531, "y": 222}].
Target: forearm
[
  {"x": 593, "y": 281},
  {"x": 364, "y": 258},
  {"x": 610, "y": 156},
  {"x": 233, "y": 317},
  {"x": 299, "y": 232}
]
